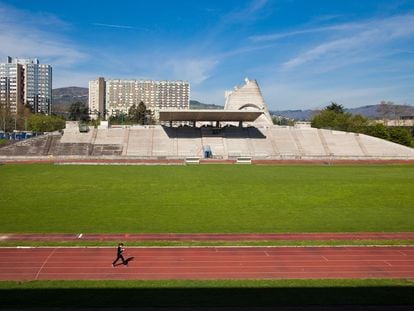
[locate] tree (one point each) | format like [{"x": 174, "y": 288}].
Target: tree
[
  {"x": 78, "y": 111},
  {"x": 334, "y": 117},
  {"x": 6, "y": 119},
  {"x": 378, "y": 130},
  {"x": 335, "y": 108},
  {"x": 44, "y": 123},
  {"x": 401, "y": 136},
  {"x": 139, "y": 114}
]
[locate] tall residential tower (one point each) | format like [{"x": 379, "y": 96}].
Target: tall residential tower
[
  {"x": 114, "y": 96},
  {"x": 26, "y": 81}
]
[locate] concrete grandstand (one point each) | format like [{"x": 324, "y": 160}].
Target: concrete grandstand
[{"x": 242, "y": 130}]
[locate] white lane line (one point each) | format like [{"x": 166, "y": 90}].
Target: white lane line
[{"x": 50, "y": 255}]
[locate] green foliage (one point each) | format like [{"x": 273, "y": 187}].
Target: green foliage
[
  {"x": 342, "y": 121},
  {"x": 139, "y": 114},
  {"x": 213, "y": 198},
  {"x": 377, "y": 130},
  {"x": 279, "y": 120},
  {"x": 78, "y": 111},
  {"x": 44, "y": 123},
  {"x": 334, "y": 117},
  {"x": 401, "y": 136},
  {"x": 335, "y": 108}
]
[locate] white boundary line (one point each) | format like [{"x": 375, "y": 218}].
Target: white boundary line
[{"x": 44, "y": 263}]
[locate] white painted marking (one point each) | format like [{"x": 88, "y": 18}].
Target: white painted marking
[
  {"x": 402, "y": 253},
  {"x": 80, "y": 236},
  {"x": 50, "y": 255}
]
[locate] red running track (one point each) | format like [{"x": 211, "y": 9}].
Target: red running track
[{"x": 207, "y": 263}]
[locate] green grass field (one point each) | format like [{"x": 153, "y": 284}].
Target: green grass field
[
  {"x": 209, "y": 198},
  {"x": 205, "y": 198}
]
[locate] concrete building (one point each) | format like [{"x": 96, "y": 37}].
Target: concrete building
[
  {"x": 97, "y": 97},
  {"x": 11, "y": 87},
  {"x": 249, "y": 97},
  {"x": 117, "y": 96},
  {"x": 26, "y": 81}
]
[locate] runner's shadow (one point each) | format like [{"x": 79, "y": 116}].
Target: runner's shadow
[{"x": 125, "y": 263}]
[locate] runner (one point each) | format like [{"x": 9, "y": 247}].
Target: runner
[{"x": 120, "y": 250}]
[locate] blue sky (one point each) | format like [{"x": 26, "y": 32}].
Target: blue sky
[{"x": 304, "y": 53}]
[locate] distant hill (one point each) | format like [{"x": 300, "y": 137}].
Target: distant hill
[
  {"x": 371, "y": 112},
  {"x": 295, "y": 114},
  {"x": 194, "y": 104},
  {"x": 63, "y": 97}
]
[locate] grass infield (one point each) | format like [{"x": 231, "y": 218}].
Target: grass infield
[{"x": 205, "y": 199}]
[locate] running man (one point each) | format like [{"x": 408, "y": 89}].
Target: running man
[{"x": 120, "y": 250}]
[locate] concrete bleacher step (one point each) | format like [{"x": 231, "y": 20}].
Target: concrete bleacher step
[{"x": 276, "y": 142}]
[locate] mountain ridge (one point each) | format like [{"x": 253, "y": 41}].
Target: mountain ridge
[{"x": 65, "y": 96}]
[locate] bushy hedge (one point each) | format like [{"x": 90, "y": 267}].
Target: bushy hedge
[
  {"x": 45, "y": 123},
  {"x": 338, "y": 119}
]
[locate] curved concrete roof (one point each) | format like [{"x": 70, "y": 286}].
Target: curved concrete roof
[{"x": 209, "y": 115}]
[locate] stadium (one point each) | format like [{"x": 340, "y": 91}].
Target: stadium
[
  {"x": 207, "y": 236},
  {"x": 242, "y": 132}
]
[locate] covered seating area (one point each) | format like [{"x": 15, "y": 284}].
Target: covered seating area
[{"x": 216, "y": 116}]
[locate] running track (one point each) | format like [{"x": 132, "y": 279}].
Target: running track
[{"x": 54, "y": 263}]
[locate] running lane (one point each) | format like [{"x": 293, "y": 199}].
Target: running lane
[{"x": 207, "y": 263}]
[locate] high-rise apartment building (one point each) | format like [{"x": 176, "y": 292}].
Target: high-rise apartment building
[
  {"x": 97, "y": 96},
  {"x": 26, "y": 81},
  {"x": 11, "y": 87},
  {"x": 115, "y": 96}
]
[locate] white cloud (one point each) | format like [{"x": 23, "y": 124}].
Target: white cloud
[
  {"x": 355, "y": 40},
  {"x": 26, "y": 38},
  {"x": 113, "y": 26},
  {"x": 283, "y": 96},
  {"x": 194, "y": 70}
]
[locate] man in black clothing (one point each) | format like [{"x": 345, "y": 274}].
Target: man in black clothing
[{"x": 120, "y": 250}]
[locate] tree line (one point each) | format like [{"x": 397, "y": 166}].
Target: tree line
[
  {"x": 335, "y": 117},
  {"x": 137, "y": 114},
  {"x": 26, "y": 120}
]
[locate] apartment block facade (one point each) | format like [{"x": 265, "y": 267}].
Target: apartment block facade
[
  {"x": 26, "y": 81},
  {"x": 11, "y": 87},
  {"x": 114, "y": 96}
]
